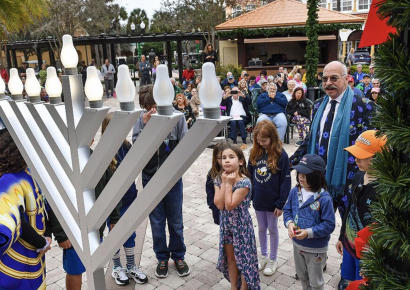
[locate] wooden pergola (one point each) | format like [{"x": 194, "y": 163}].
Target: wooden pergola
[{"x": 105, "y": 40}]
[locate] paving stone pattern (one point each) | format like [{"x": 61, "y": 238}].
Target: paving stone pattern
[{"x": 201, "y": 239}]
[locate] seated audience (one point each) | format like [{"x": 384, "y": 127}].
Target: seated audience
[{"x": 299, "y": 110}]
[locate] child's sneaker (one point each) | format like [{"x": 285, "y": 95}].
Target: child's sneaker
[
  {"x": 263, "y": 260},
  {"x": 162, "y": 269},
  {"x": 270, "y": 268},
  {"x": 119, "y": 276},
  {"x": 182, "y": 268},
  {"x": 137, "y": 275}
]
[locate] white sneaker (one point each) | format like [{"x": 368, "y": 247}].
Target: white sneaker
[
  {"x": 137, "y": 275},
  {"x": 120, "y": 276},
  {"x": 270, "y": 268},
  {"x": 263, "y": 260}
]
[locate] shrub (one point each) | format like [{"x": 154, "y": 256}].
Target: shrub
[
  {"x": 365, "y": 69},
  {"x": 234, "y": 69}
]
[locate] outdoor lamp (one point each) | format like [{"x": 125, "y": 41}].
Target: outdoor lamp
[
  {"x": 125, "y": 89},
  {"x": 163, "y": 91},
  {"x": 15, "y": 85},
  {"x": 132, "y": 26},
  {"x": 53, "y": 86},
  {"x": 69, "y": 56},
  {"x": 2, "y": 89},
  {"x": 93, "y": 88},
  {"x": 142, "y": 25},
  {"x": 210, "y": 92},
  {"x": 33, "y": 87}
]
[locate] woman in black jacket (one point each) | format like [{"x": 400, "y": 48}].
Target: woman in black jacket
[
  {"x": 299, "y": 110},
  {"x": 209, "y": 54}
]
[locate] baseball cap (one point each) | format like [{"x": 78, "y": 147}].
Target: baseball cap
[
  {"x": 366, "y": 76},
  {"x": 366, "y": 145},
  {"x": 375, "y": 90},
  {"x": 263, "y": 81},
  {"x": 230, "y": 77},
  {"x": 351, "y": 79},
  {"x": 310, "y": 163}
]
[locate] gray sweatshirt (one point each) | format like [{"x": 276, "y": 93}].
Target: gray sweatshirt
[{"x": 105, "y": 70}]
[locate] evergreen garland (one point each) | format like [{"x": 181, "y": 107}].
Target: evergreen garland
[
  {"x": 312, "y": 47},
  {"x": 284, "y": 31},
  {"x": 386, "y": 263}
]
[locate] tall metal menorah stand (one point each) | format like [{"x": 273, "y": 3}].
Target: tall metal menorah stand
[{"x": 54, "y": 140}]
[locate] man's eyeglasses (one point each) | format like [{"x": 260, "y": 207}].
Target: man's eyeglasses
[
  {"x": 376, "y": 83},
  {"x": 333, "y": 79}
]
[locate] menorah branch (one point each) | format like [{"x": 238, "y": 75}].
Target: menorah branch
[
  {"x": 89, "y": 123},
  {"x": 190, "y": 147},
  {"x": 114, "y": 135},
  {"x": 57, "y": 112},
  {"x": 141, "y": 152}
]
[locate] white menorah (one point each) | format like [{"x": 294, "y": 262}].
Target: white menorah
[{"x": 54, "y": 140}]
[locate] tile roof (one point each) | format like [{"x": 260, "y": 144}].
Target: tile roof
[{"x": 281, "y": 13}]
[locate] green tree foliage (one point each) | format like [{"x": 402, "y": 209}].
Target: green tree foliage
[
  {"x": 137, "y": 16},
  {"x": 386, "y": 263},
  {"x": 312, "y": 47}
]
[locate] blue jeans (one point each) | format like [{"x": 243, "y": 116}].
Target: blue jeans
[
  {"x": 279, "y": 120},
  {"x": 185, "y": 83},
  {"x": 168, "y": 210},
  {"x": 242, "y": 125}
]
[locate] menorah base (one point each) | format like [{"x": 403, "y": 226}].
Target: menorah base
[
  {"x": 71, "y": 71},
  {"x": 96, "y": 104},
  {"x": 212, "y": 113},
  {"x": 35, "y": 99},
  {"x": 55, "y": 100},
  {"x": 17, "y": 97},
  {"x": 165, "y": 110},
  {"x": 127, "y": 106}
]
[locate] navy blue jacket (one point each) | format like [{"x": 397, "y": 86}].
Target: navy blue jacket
[
  {"x": 270, "y": 191},
  {"x": 225, "y": 83},
  {"x": 210, "y": 195},
  {"x": 268, "y": 106},
  {"x": 245, "y": 103},
  {"x": 132, "y": 192},
  {"x": 316, "y": 215}
]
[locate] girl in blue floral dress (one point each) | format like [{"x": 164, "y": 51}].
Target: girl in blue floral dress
[{"x": 238, "y": 259}]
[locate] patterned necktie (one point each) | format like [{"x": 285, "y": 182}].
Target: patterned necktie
[{"x": 324, "y": 142}]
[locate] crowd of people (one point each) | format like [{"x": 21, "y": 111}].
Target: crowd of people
[{"x": 333, "y": 166}]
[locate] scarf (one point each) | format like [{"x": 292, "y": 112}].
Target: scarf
[{"x": 336, "y": 169}]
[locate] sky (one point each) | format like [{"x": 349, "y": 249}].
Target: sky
[{"x": 148, "y": 5}]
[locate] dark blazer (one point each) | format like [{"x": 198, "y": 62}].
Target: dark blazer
[
  {"x": 245, "y": 103},
  {"x": 302, "y": 107},
  {"x": 212, "y": 53}
]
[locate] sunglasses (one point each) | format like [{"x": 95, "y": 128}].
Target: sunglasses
[{"x": 333, "y": 79}]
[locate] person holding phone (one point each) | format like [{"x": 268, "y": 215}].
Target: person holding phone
[{"x": 237, "y": 103}]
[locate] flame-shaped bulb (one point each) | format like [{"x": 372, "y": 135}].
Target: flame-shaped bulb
[
  {"x": 53, "y": 86},
  {"x": 163, "y": 91},
  {"x": 210, "y": 92},
  {"x": 93, "y": 88},
  {"x": 125, "y": 89}
]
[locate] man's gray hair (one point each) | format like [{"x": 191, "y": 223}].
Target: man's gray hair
[
  {"x": 172, "y": 79},
  {"x": 271, "y": 85},
  {"x": 228, "y": 74},
  {"x": 359, "y": 65},
  {"x": 377, "y": 80},
  {"x": 270, "y": 78}
]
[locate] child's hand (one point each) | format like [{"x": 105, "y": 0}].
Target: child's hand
[
  {"x": 291, "y": 228},
  {"x": 230, "y": 179},
  {"x": 339, "y": 247},
  {"x": 278, "y": 212},
  {"x": 147, "y": 116},
  {"x": 224, "y": 175},
  {"x": 65, "y": 245},
  {"x": 301, "y": 234}
]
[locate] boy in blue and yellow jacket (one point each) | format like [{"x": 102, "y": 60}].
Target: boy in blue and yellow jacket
[{"x": 310, "y": 219}]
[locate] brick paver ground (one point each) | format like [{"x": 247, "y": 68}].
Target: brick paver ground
[{"x": 201, "y": 239}]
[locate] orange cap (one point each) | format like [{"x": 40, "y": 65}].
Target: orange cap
[{"x": 367, "y": 145}]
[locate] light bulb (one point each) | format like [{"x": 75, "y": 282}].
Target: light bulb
[
  {"x": 53, "y": 86},
  {"x": 93, "y": 88},
  {"x": 125, "y": 89},
  {"x": 33, "y": 87},
  {"x": 69, "y": 56},
  {"x": 2, "y": 88},
  {"x": 15, "y": 85},
  {"x": 210, "y": 92},
  {"x": 142, "y": 25},
  {"x": 163, "y": 91},
  {"x": 132, "y": 26}
]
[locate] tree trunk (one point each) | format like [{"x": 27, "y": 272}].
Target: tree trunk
[{"x": 97, "y": 54}]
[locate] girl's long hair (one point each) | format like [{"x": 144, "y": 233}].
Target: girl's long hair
[
  {"x": 266, "y": 129},
  {"x": 216, "y": 168},
  {"x": 243, "y": 171}
]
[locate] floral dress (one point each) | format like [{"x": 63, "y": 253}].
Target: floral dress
[{"x": 236, "y": 228}]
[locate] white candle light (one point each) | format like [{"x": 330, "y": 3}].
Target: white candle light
[
  {"x": 163, "y": 91},
  {"x": 33, "y": 87},
  {"x": 93, "y": 88},
  {"x": 125, "y": 89},
  {"x": 53, "y": 86},
  {"x": 69, "y": 56},
  {"x": 210, "y": 92},
  {"x": 15, "y": 85}
]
